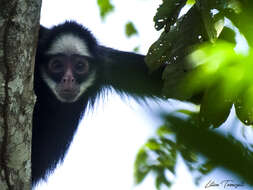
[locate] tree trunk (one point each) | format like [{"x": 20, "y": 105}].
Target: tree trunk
[{"x": 19, "y": 23}]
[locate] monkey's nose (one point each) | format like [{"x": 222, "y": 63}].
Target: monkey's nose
[
  {"x": 68, "y": 83},
  {"x": 68, "y": 79}
]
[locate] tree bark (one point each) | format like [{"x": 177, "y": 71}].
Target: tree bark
[{"x": 19, "y": 23}]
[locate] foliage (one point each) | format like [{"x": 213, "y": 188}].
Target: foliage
[
  {"x": 216, "y": 72},
  {"x": 157, "y": 155},
  {"x": 224, "y": 77},
  {"x": 184, "y": 136},
  {"x": 203, "y": 66}
]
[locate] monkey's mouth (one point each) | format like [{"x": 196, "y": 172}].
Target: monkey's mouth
[{"x": 68, "y": 95}]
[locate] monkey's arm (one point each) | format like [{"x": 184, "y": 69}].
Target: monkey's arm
[{"x": 127, "y": 72}]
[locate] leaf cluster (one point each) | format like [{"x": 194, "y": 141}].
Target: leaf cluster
[
  {"x": 202, "y": 150},
  {"x": 200, "y": 60},
  {"x": 203, "y": 65}
]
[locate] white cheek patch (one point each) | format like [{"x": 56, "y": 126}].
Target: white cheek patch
[
  {"x": 87, "y": 83},
  {"x": 83, "y": 87},
  {"x": 50, "y": 83},
  {"x": 69, "y": 44}
]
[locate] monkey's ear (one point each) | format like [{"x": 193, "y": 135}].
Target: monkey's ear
[{"x": 43, "y": 31}]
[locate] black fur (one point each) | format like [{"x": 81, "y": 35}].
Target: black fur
[{"x": 54, "y": 122}]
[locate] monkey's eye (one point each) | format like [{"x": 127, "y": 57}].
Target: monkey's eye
[
  {"x": 81, "y": 66},
  {"x": 56, "y": 66}
]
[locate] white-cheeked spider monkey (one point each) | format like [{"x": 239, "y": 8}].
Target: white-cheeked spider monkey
[{"x": 71, "y": 70}]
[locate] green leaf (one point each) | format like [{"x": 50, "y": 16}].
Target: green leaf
[
  {"x": 244, "y": 101},
  {"x": 140, "y": 166},
  {"x": 244, "y": 106},
  {"x": 163, "y": 130},
  {"x": 152, "y": 144},
  {"x": 218, "y": 76},
  {"x": 173, "y": 45},
  {"x": 215, "y": 106},
  {"x": 213, "y": 25},
  {"x": 130, "y": 29},
  {"x": 187, "y": 112},
  {"x": 167, "y": 13},
  {"x": 190, "y": 2},
  {"x": 213, "y": 61},
  {"x": 136, "y": 49},
  {"x": 161, "y": 179},
  {"x": 105, "y": 7}
]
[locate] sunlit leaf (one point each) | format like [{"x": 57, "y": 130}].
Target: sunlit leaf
[
  {"x": 207, "y": 60},
  {"x": 152, "y": 144},
  {"x": 190, "y": 2},
  {"x": 221, "y": 94},
  {"x": 218, "y": 75}
]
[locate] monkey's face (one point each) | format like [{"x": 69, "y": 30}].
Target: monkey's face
[
  {"x": 67, "y": 68},
  {"x": 68, "y": 76}
]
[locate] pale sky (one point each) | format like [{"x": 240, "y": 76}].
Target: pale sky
[{"x": 102, "y": 154}]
